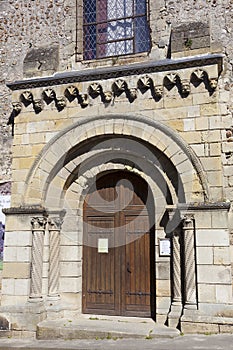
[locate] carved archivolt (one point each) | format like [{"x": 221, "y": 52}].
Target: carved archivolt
[{"x": 119, "y": 86}]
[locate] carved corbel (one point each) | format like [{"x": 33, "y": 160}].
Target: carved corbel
[
  {"x": 49, "y": 95},
  {"x": 26, "y": 97},
  {"x": 107, "y": 96},
  {"x": 83, "y": 100},
  {"x": 213, "y": 82},
  {"x": 145, "y": 82},
  {"x": 132, "y": 94},
  {"x": 185, "y": 87},
  {"x": 158, "y": 90},
  {"x": 17, "y": 108},
  {"x": 38, "y": 105},
  {"x": 60, "y": 103},
  {"x": 229, "y": 133},
  {"x": 95, "y": 89}
]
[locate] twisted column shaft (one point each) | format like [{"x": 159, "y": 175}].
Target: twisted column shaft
[
  {"x": 189, "y": 259},
  {"x": 38, "y": 230},
  {"x": 54, "y": 244},
  {"x": 177, "y": 297}
]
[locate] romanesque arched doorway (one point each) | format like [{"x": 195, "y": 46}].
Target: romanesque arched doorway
[{"x": 118, "y": 250}]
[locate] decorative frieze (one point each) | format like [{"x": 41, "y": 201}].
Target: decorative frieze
[{"x": 156, "y": 82}]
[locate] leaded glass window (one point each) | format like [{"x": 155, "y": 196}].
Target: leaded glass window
[{"x": 114, "y": 28}]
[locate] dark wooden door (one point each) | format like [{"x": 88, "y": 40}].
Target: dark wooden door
[{"x": 118, "y": 257}]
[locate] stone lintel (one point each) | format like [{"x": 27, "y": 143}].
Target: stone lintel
[
  {"x": 192, "y": 207},
  {"x": 119, "y": 71}
]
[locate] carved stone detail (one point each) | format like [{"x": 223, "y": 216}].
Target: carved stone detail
[
  {"x": 72, "y": 91},
  {"x": 185, "y": 86},
  {"x": 84, "y": 100},
  {"x": 38, "y": 229},
  {"x": 26, "y": 97},
  {"x": 107, "y": 96},
  {"x": 17, "y": 107},
  {"x": 132, "y": 93},
  {"x": 95, "y": 89},
  {"x": 145, "y": 82},
  {"x": 60, "y": 103},
  {"x": 213, "y": 83},
  {"x": 199, "y": 74},
  {"x": 172, "y": 77},
  {"x": 49, "y": 94},
  {"x": 189, "y": 258},
  {"x": 38, "y": 105},
  {"x": 119, "y": 85},
  {"x": 158, "y": 90}
]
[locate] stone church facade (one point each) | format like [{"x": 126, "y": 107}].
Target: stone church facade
[{"x": 121, "y": 198}]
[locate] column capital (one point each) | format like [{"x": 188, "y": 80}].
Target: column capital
[
  {"x": 55, "y": 223},
  {"x": 38, "y": 223}
]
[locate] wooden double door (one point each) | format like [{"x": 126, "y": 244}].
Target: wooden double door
[{"x": 118, "y": 249}]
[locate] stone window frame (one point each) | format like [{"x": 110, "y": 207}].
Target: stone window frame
[{"x": 79, "y": 49}]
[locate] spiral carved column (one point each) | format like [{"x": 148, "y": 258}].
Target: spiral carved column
[
  {"x": 177, "y": 296},
  {"x": 54, "y": 227},
  {"x": 189, "y": 260},
  {"x": 38, "y": 230}
]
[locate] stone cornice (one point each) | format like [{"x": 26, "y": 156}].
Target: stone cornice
[
  {"x": 27, "y": 210},
  {"x": 118, "y": 71},
  {"x": 189, "y": 207}
]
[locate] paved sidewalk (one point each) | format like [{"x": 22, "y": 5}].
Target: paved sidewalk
[{"x": 188, "y": 342}]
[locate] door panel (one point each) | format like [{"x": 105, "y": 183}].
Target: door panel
[{"x": 117, "y": 250}]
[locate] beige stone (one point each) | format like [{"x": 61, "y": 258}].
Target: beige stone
[{"x": 16, "y": 270}]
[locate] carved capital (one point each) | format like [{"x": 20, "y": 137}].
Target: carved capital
[
  {"x": 38, "y": 223},
  {"x": 55, "y": 223}
]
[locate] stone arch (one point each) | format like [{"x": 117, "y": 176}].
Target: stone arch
[{"x": 52, "y": 158}]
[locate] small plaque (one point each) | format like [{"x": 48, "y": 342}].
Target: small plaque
[
  {"x": 165, "y": 247},
  {"x": 103, "y": 245}
]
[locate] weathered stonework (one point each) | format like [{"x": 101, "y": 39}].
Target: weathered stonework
[{"x": 165, "y": 115}]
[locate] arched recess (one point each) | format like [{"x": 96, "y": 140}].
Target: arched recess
[{"x": 155, "y": 144}]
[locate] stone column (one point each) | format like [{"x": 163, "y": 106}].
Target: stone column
[
  {"x": 54, "y": 227},
  {"x": 38, "y": 230},
  {"x": 190, "y": 263},
  {"x": 177, "y": 293}
]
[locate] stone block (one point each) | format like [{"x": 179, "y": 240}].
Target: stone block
[
  {"x": 220, "y": 219},
  {"x": 16, "y": 270},
  {"x": 70, "y": 285},
  {"x": 209, "y": 109},
  {"x": 163, "y": 288},
  {"x": 201, "y": 123},
  {"x": 214, "y": 274},
  {"x": 22, "y": 287},
  {"x": 206, "y": 293},
  {"x": 224, "y": 293},
  {"x": 8, "y": 286},
  {"x": 211, "y": 163},
  {"x": 203, "y": 219},
  {"x": 215, "y": 149},
  {"x": 70, "y": 253},
  {"x": 70, "y": 269},
  {"x": 212, "y": 238},
  {"x": 199, "y": 328},
  {"x": 205, "y": 255},
  {"x": 221, "y": 255},
  {"x": 19, "y": 254},
  {"x": 18, "y": 238},
  {"x": 224, "y": 328}
]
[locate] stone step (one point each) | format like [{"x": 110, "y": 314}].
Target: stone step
[{"x": 103, "y": 328}]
